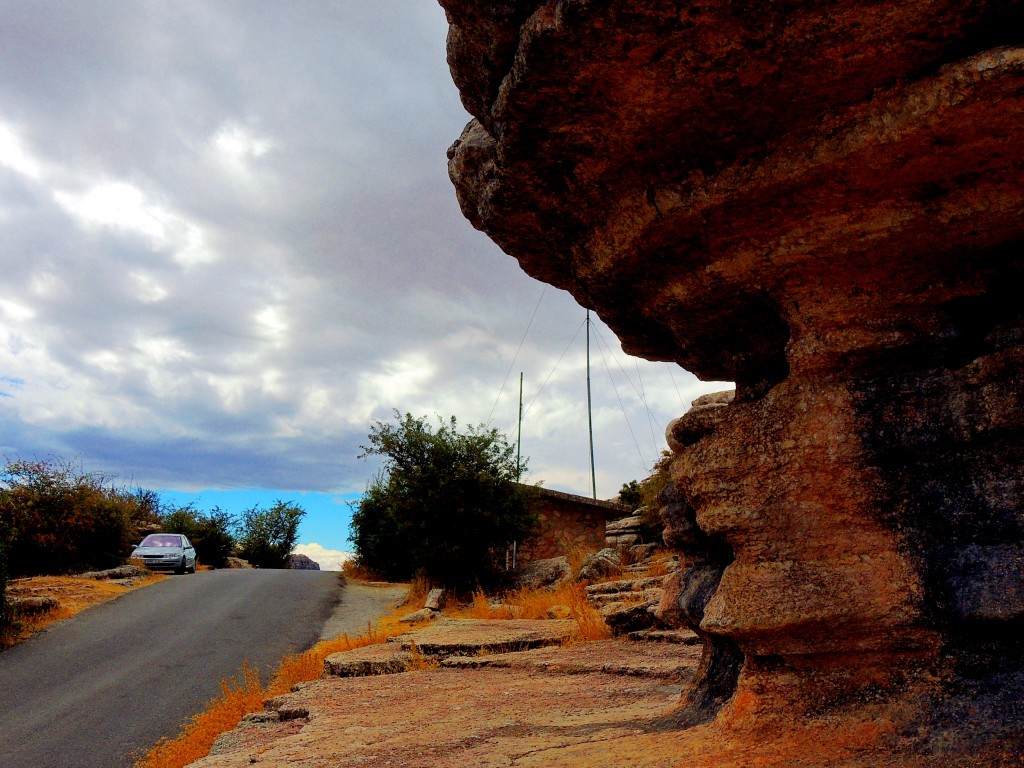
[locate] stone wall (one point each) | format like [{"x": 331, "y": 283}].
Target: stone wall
[{"x": 567, "y": 522}]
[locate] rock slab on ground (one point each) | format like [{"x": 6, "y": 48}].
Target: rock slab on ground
[
  {"x": 385, "y": 659},
  {"x": 449, "y": 637}
]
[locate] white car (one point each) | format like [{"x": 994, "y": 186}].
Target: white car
[{"x": 166, "y": 551}]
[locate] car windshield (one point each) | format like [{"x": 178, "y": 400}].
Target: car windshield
[{"x": 161, "y": 540}]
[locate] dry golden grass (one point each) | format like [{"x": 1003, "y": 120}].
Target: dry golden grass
[
  {"x": 419, "y": 661},
  {"x": 418, "y": 590},
  {"x": 74, "y": 593},
  {"x": 353, "y": 569},
  {"x": 575, "y": 553},
  {"x": 535, "y": 604}
]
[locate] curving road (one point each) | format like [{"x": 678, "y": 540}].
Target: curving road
[{"x": 94, "y": 690}]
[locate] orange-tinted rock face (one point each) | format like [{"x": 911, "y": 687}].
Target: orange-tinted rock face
[{"x": 823, "y": 202}]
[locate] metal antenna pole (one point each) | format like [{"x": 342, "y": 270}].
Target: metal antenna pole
[
  {"x": 590, "y": 416},
  {"x": 519, "y": 431}
]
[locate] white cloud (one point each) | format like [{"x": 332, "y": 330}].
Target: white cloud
[
  {"x": 236, "y": 144},
  {"x": 124, "y": 207},
  {"x": 328, "y": 559},
  {"x": 13, "y": 154}
]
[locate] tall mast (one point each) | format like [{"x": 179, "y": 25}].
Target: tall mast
[
  {"x": 519, "y": 431},
  {"x": 590, "y": 416}
]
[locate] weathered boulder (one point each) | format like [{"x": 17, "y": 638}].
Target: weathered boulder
[
  {"x": 822, "y": 203},
  {"x": 549, "y": 573},
  {"x": 598, "y": 565},
  {"x": 625, "y": 531},
  {"x": 624, "y": 619},
  {"x": 238, "y": 562},
  {"x": 435, "y": 599},
  {"x": 385, "y": 659},
  {"x": 128, "y": 571},
  {"x": 423, "y": 614},
  {"x": 468, "y": 637},
  {"x": 641, "y": 553},
  {"x": 297, "y": 562}
]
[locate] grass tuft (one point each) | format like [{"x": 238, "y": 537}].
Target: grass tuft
[{"x": 535, "y": 604}]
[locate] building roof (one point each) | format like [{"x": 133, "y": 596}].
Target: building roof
[{"x": 610, "y": 509}]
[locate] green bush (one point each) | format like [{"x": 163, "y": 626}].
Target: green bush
[
  {"x": 631, "y": 495},
  {"x": 643, "y": 495},
  {"x": 447, "y": 504},
  {"x": 210, "y": 532},
  {"x": 58, "y": 519},
  {"x": 268, "y": 536}
]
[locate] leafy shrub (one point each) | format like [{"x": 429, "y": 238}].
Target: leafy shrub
[
  {"x": 210, "y": 532},
  {"x": 447, "y": 503},
  {"x": 631, "y": 495},
  {"x": 58, "y": 519},
  {"x": 268, "y": 536},
  {"x": 643, "y": 495}
]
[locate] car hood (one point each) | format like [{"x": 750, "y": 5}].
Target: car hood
[{"x": 150, "y": 551}]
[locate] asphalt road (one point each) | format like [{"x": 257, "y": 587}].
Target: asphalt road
[{"x": 93, "y": 690}]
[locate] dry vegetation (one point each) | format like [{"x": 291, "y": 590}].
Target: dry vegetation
[
  {"x": 539, "y": 604},
  {"x": 74, "y": 593}
]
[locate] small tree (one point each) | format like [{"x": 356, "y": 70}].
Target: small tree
[
  {"x": 268, "y": 536},
  {"x": 446, "y": 503},
  {"x": 209, "y": 532}
]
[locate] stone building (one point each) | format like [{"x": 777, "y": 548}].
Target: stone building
[{"x": 567, "y": 522}]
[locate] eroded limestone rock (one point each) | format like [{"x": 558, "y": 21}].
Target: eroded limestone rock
[{"x": 822, "y": 203}]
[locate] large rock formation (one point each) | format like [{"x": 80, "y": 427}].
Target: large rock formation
[
  {"x": 823, "y": 202},
  {"x": 297, "y": 562}
]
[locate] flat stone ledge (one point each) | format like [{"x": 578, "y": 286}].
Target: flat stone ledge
[
  {"x": 468, "y": 637},
  {"x": 674, "y": 636},
  {"x": 384, "y": 659},
  {"x": 612, "y": 657},
  {"x": 625, "y": 585}
]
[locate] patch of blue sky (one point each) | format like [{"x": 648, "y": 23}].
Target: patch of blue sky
[
  {"x": 14, "y": 382},
  {"x": 327, "y": 514}
]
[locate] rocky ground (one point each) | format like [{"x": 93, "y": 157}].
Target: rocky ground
[
  {"x": 463, "y": 705},
  {"x": 607, "y": 703}
]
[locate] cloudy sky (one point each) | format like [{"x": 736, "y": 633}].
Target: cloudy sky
[{"x": 229, "y": 243}]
